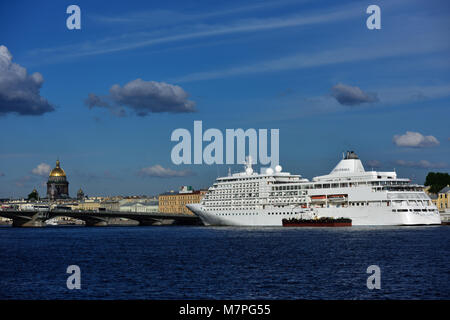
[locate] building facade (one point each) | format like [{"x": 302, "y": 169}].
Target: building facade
[
  {"x": 433, "y": 196},
  {"x": 109, "y": 205},
  {"x": 148, "y": 207},
  {"x": 175, "y": 202},
  {"x": 88, "y": 205},
  {"x": 443, "y": 203},
  {"x": 57, "y": 184}
]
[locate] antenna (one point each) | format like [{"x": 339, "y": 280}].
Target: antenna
[{"x": 248, "y": 163}]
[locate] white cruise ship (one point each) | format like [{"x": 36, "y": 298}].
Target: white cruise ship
[{"x": 367, "y": 197}]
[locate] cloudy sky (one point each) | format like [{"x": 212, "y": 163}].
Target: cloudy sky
[{"x": 105, "y": 99}]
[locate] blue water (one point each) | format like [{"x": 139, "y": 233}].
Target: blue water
[{"x": 225, "y": 263}]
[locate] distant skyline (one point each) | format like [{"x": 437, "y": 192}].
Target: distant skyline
[{"x": 105, "y": 99}]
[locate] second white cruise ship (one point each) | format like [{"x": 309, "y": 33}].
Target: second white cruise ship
[{"x": 367, "y": 197}]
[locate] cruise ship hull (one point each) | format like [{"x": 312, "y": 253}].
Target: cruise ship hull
[{"x": 359, "y": 216}]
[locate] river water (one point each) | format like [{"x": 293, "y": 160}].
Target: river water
[{"x": 178, "y": 262}]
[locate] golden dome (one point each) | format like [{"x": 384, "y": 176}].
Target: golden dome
[{"x": 57, "y": 171}]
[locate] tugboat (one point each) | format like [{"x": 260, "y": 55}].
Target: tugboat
[{"x": 320, "y": 222}]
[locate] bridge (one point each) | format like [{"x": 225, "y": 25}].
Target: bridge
[{"x": 33, "y": 218}]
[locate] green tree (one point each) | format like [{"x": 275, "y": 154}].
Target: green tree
[
  {"x": 34, "y": 195},
  {"x": 437, "y": 181}
]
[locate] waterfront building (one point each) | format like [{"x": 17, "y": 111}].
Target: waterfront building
[
  {"x": 100, "y": 199},
  {"x": 57, "y": 184},
  {"x": 110, "y": 205},
  {"x": 89, "y": 205},
  {"x": 175, "y": 202},
  {"x": 433, "y": 196},
  {"x": 443, "y": 199},
  {"x": 148, "y": 206}
]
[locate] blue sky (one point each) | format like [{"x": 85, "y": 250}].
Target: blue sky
[{"x": 309, "y": 68}]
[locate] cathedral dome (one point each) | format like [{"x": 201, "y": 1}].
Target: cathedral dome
[
  {"x": 57, "y": 171},
  {"x": 57, "y": 184}
]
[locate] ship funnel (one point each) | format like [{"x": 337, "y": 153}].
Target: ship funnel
[
  {"x": 349, "y": 164},
  {"x": 351, "y": 155}
]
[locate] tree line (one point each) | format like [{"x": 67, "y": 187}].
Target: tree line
[{"x": 437, "y": 181}]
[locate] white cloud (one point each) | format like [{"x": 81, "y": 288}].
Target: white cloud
[
  {"x": 161, "y": 172},
  {"x": 414, "y": 140},
  {"x": 350, "y": 96},
  {"x": 143, "y": 97},
  {"x": 19, "y": 91},
  {"x": 422, "y": 164},
  {"x": 42, "y": 169}
]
